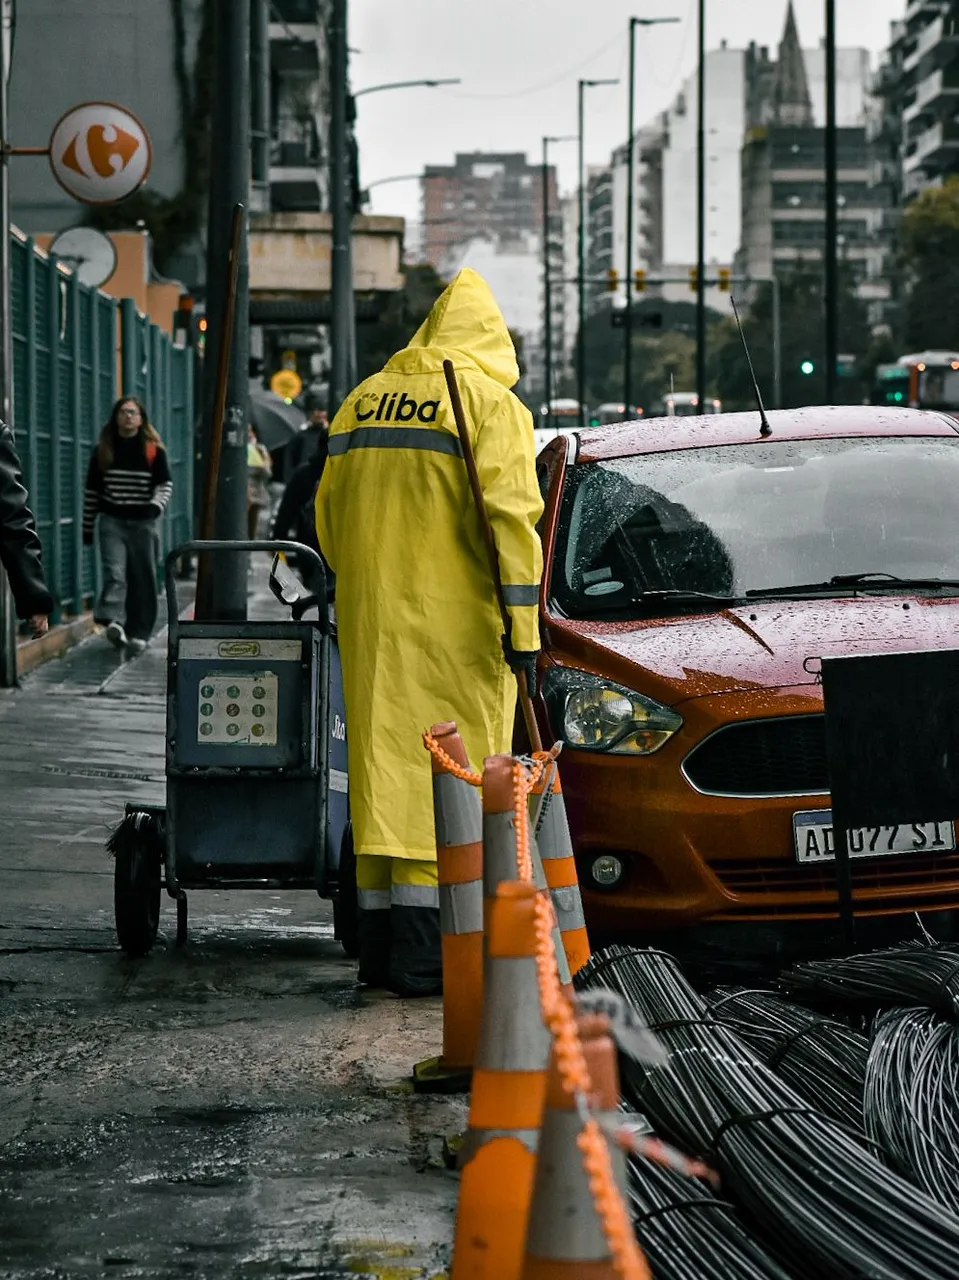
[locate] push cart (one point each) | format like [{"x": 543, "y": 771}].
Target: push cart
[{"x": 256, "y": 768}]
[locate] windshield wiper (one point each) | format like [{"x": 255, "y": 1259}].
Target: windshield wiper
[
  {"x": 873, "y": 580},
  {"x": 680, "y": 594}
]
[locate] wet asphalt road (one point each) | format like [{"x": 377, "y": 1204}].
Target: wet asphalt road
[{"x": 239, "y": 1108}]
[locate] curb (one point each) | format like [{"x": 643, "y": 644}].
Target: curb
[{"x": 34, "y": 653}]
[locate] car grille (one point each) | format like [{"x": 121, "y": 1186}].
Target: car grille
[
  {"x": 785, "y": 756},
  {"x": 877, "y": 878}
]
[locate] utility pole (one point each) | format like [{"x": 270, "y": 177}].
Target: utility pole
[
  {"x": 630, "y": 205},
  {"x": 581, "y": 267},
  {"x": 8, "y": 621},
  {"x": 701, "y": 211},
  {"x": 342, "y": 340},
  {"x": 547, "y": 294},
  {"x": 260, "y": 102},
  {"x": 831, "y": 282},
  {"x": 229, "y": 186},
  {"x": 583, "y": 85}
]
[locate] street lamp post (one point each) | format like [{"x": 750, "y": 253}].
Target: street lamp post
[
  {"x": 583, "y": 85},
  {"x": 343, "y": 336},
  {"x": 630, "y": 181},
  {"x": 547, "y": 286},
  {"x": 701, "y": 210},
  {"x": 831, "y": 247}
]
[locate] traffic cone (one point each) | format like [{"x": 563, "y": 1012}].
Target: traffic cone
[
  {"x": 548, "y": 814},
  {"x": 499, "y": 846},
  {"x": 458, "y": 815},
  {"x": 498, "y": 1156},
  {"x": 566, "y": 1239}
]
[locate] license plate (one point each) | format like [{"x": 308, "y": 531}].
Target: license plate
[{"x": 815, "y": 841}]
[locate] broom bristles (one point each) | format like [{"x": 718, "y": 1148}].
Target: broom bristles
[{"x": 136, "y": 829}]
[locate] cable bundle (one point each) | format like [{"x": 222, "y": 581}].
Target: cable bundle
[
  {"x": 687, "y": 1233},
  {"x": 916, "y": 974},
  {"x": 912, "y": 1081},
  {"x": 817, "y": 1195},
  {"x": 822, "y": 1059}
]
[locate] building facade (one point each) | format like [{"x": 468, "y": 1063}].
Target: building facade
[
  {"x": 494, "y": 194},
  {"x": 155, "y": 58},
  {"x": 783, "y": 219}
]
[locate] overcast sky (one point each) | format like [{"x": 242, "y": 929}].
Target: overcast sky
[{"x": 519, "y": 61}]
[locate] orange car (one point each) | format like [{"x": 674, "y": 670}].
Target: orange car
[{"x": 696, "y": 571}]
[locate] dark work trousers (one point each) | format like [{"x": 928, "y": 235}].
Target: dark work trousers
[{"x": 129, "y": 553}]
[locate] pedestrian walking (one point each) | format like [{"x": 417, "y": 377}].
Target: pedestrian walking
[
  {"x": 418, "y": 622},
  {"x": 20, "y": 551},
  {"x": 259, "y": 468},
  {"x": 128, "y": 488}
]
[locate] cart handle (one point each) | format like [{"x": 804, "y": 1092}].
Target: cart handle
[{"x": 198, "y": 546}]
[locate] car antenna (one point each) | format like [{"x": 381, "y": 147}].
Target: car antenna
[{"x": 764, "y": 428}]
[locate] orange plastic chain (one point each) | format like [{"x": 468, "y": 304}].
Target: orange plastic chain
[
  {"x": 559, "y": 1018},
  {"x": 558, "y": 1015}
]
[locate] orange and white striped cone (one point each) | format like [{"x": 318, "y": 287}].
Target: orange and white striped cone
[
  {"x": 500, "y": 845},
  {"x": 498, "y": 1157},
  {"x": 458, "y": 816},
  {"x": 566, "y": 1238},
  {"x": 548, "y": 813}
]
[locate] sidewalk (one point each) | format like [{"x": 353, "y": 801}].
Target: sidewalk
[{"x": 236, "y": 1108}]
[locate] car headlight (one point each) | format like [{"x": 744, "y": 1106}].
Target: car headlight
[{"x": 597, "y": 715}]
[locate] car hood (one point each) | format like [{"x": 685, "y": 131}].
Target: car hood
[{"x": 766, "y": 645}]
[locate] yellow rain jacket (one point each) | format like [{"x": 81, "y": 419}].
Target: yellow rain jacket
[{"x": 419, "y": 626}]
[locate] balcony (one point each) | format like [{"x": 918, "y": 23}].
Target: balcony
[
  {"x": 935, "y": 44},
  {"x": 937, "y": 90},
  {"x": 933, "y": 146}
]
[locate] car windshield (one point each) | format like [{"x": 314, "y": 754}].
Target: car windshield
[{"x": 726, "y": 521}]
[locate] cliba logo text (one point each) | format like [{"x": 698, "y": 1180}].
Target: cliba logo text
[{"x": 395, "y": 407}]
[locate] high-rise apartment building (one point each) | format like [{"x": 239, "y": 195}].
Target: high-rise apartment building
[{"x": 494, "y": 194}]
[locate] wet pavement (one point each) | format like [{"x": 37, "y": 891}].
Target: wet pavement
[{"x": 236, "y": 1108}]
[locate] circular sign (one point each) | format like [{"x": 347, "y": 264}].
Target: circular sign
[
  {"x": 286, "y": 383},
  {"x": 90, "y": 253},
  {"x": 99, "y": 152}
]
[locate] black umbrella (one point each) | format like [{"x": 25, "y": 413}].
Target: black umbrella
[{"x": 276, "y": 421}]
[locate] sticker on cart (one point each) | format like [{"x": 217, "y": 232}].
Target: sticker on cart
[{"x": 238, "y": 710}]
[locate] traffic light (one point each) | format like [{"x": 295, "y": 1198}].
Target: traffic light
[
  {"x": 694, "y": 278},
  {"x": 807, "y": 367},
  {"x": 612, "y": 280},
  {"x": 639, "y": 280},
  {"x": 725, "y": 276}
]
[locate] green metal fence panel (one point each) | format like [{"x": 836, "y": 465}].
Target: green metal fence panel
[
  {"x": 66, "y": 377},
  {"x": 161, "y": 375}
]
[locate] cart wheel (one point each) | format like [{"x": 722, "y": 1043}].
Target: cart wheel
[
  {"x": 345, "y": 927},
  {"x": 137, "y": 845}
]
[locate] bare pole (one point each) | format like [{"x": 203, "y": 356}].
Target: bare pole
[
  {"x": 547, "y": 296},
  {"x": 581, "y": 268},
  {"x": 342, "y": 340},
  {"x": 229, "y": 187},
  {"x": 630, "y": 182},
  {"x": 701, "y": 211},
  {"x": 8, "y": 621},
  {"x": 831, "y": 263}
]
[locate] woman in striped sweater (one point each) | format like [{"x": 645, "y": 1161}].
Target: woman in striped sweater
[{"x": 128, "y": 488}]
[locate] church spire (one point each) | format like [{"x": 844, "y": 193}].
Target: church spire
[{"x": 792, "y": 105}]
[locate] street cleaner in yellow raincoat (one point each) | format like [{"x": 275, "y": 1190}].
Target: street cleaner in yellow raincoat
[{"x": 419, "y": 627}]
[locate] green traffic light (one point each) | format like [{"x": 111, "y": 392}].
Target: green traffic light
[{"x": 807, "y": 367}]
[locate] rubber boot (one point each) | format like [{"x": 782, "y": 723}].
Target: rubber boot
[
  {"x": 373, "y": 929},
  {"x": 416, "y": 954}
]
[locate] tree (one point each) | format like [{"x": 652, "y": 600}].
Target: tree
[
  {"x": 802, "y": 331},
  {"x": 929, "y": 254},
  {"x": 663, "y": 344},
  {"x": 402, "y": 316}
]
